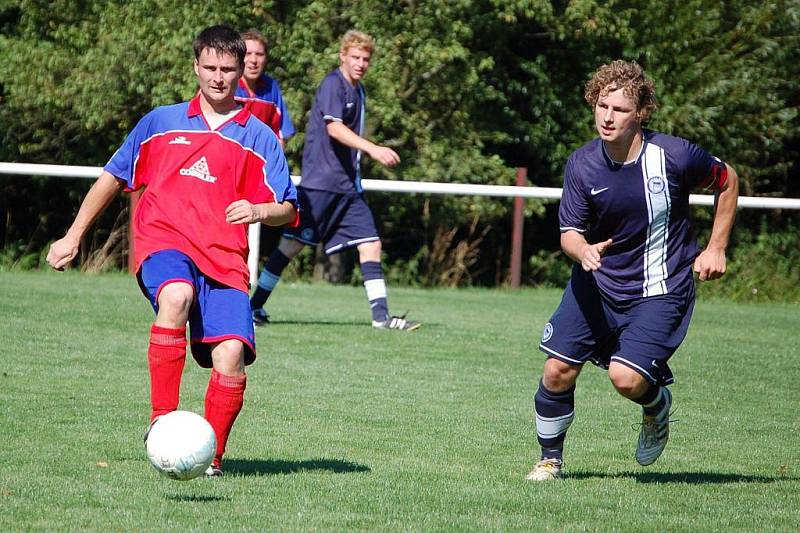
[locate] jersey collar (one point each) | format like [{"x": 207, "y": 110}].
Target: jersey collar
[
  {"x": 261, "y": 84},
  {"x": 194, "y": 109},
  {"x": 621, "y": 164}
]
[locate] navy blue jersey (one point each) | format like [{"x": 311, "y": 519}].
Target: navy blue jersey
[
  {"x": 643, "y": 206},
  {"x": 328, "y": 164}
]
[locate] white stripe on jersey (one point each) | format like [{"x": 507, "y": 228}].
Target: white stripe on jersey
[{"x": 656, "y": 191}]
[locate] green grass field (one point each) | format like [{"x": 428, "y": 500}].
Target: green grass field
[{"x": 346, "y": 428}]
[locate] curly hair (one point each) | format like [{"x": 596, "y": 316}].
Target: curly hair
[
  {"x": 356, "y": 39},
  {"x": 625, "y": 75}
]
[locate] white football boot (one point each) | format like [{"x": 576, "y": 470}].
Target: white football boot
[{"x": 654, "y": 433}]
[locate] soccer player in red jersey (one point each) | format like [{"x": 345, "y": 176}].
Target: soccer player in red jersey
[
  {"x": 207, "y": 169},
  {"x": 262, "y": 92}
]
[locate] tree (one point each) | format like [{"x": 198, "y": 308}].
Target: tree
[{"x": 465, "y": 90}]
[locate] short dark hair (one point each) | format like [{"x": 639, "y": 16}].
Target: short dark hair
[{"x": 222, "y": 39}]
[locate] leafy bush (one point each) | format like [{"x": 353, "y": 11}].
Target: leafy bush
[{"x": 763, "y": 267}]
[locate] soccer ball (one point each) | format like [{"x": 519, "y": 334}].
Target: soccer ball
[{"x": 181, "y": 445}]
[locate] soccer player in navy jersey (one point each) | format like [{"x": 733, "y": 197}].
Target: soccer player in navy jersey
[
  {"x": 624, "y": 219},
  {"x": 207, "y": 169},
  {"x": 262, "y": 92},
  {"x": 332, "y": 206}
]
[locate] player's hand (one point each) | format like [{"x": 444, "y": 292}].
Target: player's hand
[
  {"x": 385, "y": 156},
  {"x": 710, "y": 264},
  {"x": 241, "y": 212},
  {"x": 62, "y": 252},
  {"x": 590, "y": 257}
]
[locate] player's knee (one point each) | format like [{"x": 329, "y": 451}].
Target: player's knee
[
  {"x": 369, "y": 251},
  {"x": 176, "y": 298},
  {"x": 228, "y": 357},
  {"x": 627, "y": 381},
  {"x": 290, "y": 247},
  {"x": 559, "y": 376}
]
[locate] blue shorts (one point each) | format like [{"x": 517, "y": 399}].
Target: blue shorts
[
  {"x": 641, "y": 334},
  {"x": 337, "y": 220},
  {"x": 219, "y": 312}
]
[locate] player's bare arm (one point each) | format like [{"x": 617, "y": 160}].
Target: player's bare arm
[
  {"x": 579, "y": 250},
  {"x": 382, "y": 154},
  {"x": 271, "y": 214},
  {"x": 712, "y": 263},
  {"x": 64, "y": 250}
]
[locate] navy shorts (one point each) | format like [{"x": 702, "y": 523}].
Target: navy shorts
[
  {"x": 641, "y": 334},
  {"x": 219, "y": 312},
  {"x": 337, "y": 220}
]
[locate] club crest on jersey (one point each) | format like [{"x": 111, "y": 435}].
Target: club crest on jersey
[
  {"x": 180, "y": 139},
  {"x": 199, "y": 170},
  {"x": 307, "y": 234},
  {"x": 548, "y": 332},
  {"x": 656, "y": 184}
]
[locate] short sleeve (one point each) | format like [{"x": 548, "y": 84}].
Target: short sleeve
[
  {"x": 122, "y": 164},
  {"x": 573, "y": 211},
  {"x": 330, "y": 100},
  {"x": 267, "y": 177},
  {"x": 703, "y": 170},
  {"x": 287, "y": 126}
]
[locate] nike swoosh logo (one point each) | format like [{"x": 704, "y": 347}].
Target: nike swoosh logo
[{"x": 595, "y": 192}]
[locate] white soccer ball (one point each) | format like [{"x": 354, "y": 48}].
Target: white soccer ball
[{"x": 181, "y": 445}]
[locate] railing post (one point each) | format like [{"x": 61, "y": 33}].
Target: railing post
[
  {"x": 516, "y": 234},
  {"x": 254, "y": 245}
]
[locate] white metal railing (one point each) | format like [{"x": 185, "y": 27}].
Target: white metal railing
[{"x": 421, "y": 187}]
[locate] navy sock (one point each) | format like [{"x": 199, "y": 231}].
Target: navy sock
[
  {"x": 653, "y": 400},
  {"x": 269, "y": 278},
  {"x": 555, "y": 412},
  {"x": 375, "y": 286}
]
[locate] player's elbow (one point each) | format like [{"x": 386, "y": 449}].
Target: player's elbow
[
  {"x": 287, "y": 215},
  {"x": 334, "y": 128}
]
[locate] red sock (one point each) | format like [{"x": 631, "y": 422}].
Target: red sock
[
  {"x": 166, "y": 357},
  {"x": 224, "y": 399}
]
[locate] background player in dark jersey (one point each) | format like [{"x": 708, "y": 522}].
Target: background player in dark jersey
[
  {"x": 624, "y": 218},
  {"x": 333, "y": 209},
  {"x": 262, "y": 92},
  {"x": 208, "y": 169}
]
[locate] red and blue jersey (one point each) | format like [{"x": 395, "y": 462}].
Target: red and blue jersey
[
  {"x": 643, "y": 206},
  {"x": 190, "y": 174},
  {"x": 267, "y": 105}
]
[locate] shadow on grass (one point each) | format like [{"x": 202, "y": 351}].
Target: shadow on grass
[
  {"x": 692, "y": 478},
  {"x": 359, "y": 323},
  {"x": 197, "y": 499},
  {"x": 272, "y": 467}
]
